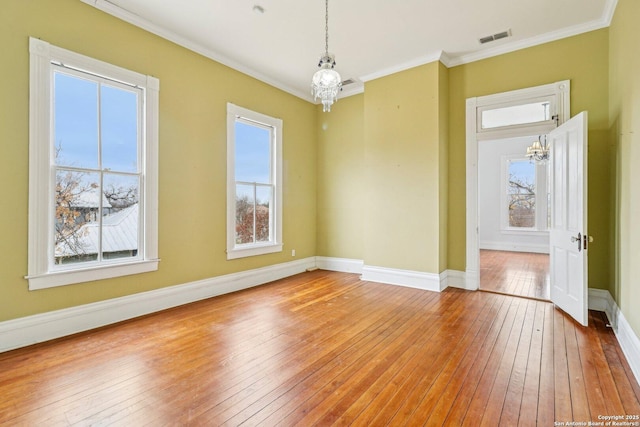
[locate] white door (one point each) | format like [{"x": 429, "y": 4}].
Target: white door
[{"x": 568, "y": 233}]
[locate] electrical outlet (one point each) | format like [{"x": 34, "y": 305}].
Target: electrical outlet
[{"x": 293, "y": 252}]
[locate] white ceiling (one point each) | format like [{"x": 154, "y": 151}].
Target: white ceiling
[{"x": 370, "y": 38}]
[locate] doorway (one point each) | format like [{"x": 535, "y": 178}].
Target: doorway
[
  {"x": 513, "y": 218},
  {"x": 492, "y": 117},
  {"x": 486, "y": 121}
]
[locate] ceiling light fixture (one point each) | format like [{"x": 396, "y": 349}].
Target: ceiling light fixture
[
  {"x": 539, "y": 150},
  {"x": 326, "y": 82}
]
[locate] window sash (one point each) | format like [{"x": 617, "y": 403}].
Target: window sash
[
  {"x": 484, "y": 112},
  {"x": 100, "y": 171},
  {"x": 520, "y": 196},
  {"x": 254, "y": 211}
]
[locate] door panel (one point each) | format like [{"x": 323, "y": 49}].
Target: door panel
[{"x": 568, "y": 260}]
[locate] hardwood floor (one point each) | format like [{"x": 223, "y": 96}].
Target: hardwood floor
[
  {"x": 325, "y": 348},
  {"x": 515, "y": 273}
]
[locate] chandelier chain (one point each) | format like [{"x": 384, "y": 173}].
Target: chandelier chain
[{"x": 326, "y": 27}]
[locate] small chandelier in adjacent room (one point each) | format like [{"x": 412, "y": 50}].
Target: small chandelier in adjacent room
[
  {"x": 539, "y": 150},
  {"x": 326, "y": 82}
]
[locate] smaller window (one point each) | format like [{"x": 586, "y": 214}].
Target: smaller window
[
  {"x": 521, "y": 194},
  {"x": 522, "y": 114},
  {"x": 254, "y": 183},
  {"x": 525, "y": 195}
]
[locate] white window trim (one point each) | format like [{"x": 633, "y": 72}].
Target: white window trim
[
  {"x": 41, "y": 157},
  {"x": 233, "y": 251}
]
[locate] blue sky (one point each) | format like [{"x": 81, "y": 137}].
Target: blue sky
[
  {"x": 253, "y": 160},
  {"x": 523, "y": 169},
  {"x": 77, "y": 126}
]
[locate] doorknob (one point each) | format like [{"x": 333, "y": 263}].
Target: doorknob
[{"x": 577, "y": 239}]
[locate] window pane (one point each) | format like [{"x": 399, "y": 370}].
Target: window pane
[
  {"x": 264, "y": 197},
  {"x": 119, "y": 127},
  {"x": 120, "y": 220},
  {"x": 253, "y": 153},
  {"x": 521, "y": 194},
  {"x": 75, "y": 112},
  {"x": 245, "y": 206},
  {"x": 516, "y": 115},
  {"x": 77, "y": 207}
]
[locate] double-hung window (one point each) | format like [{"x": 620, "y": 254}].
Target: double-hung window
[
  {"x": 525, "y": 195},
  {"x": 92, "y": 169},
  {"x": 254, "y": 183}
]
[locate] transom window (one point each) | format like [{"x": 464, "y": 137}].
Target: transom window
[
  {"x": 522, "y": 114},
  {"x": 92, "y": 168},
  {"x": 254, "y": 218}
]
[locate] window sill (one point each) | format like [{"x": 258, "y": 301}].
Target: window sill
[
  {"x": 253, "y": 250},
  {"x": 69, "y": 277}
]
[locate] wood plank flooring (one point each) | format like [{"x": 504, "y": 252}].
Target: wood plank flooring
[
  {"x": 515, "y": 273},
  {"x": 325, "y": 348}
]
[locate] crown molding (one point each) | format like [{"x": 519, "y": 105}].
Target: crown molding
[
  {"x": 575, "y": 30},
  {"x": 138, "y": 21}
]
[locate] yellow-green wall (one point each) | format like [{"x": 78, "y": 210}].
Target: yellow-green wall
[
  {"x": 583, "y": 60},
  {"x": 443, "y": 175},
  {"x": 194, "y": 92},
  {"x": 624, "y": 120},
  {"x": 341, "y": 179},
  {"x": 403, "y": 170}
]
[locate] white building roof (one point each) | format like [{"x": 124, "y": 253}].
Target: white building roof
[
  {"x": 120, "y": 233},
  {"x": 89, "y": 199}
]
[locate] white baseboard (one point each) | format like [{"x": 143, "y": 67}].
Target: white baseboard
[
  {"x": 456, "y": 279},
  {"x": 391, "y": 276},
  {"x": 344, "y": 265},
  {"x": 472, "y": 280},
  {"x": 409, "y": 278},
  {"x": 29, "y": 330},
  {"x": 601, "y": 300},
  {"x": 514, "y": 247}
]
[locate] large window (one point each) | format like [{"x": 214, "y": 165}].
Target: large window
[
  {"x": 254, "y": 177},
  {"x": 93, "y": 169}
]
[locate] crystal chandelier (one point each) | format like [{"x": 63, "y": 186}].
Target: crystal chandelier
[
  {"x": 326, "y": 82},
  {"x": 539, "y": 150}
]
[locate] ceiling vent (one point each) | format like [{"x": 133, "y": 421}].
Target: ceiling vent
[
  {"x": 494, "y": 37},
  {"x": 348, "y": 82}
]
